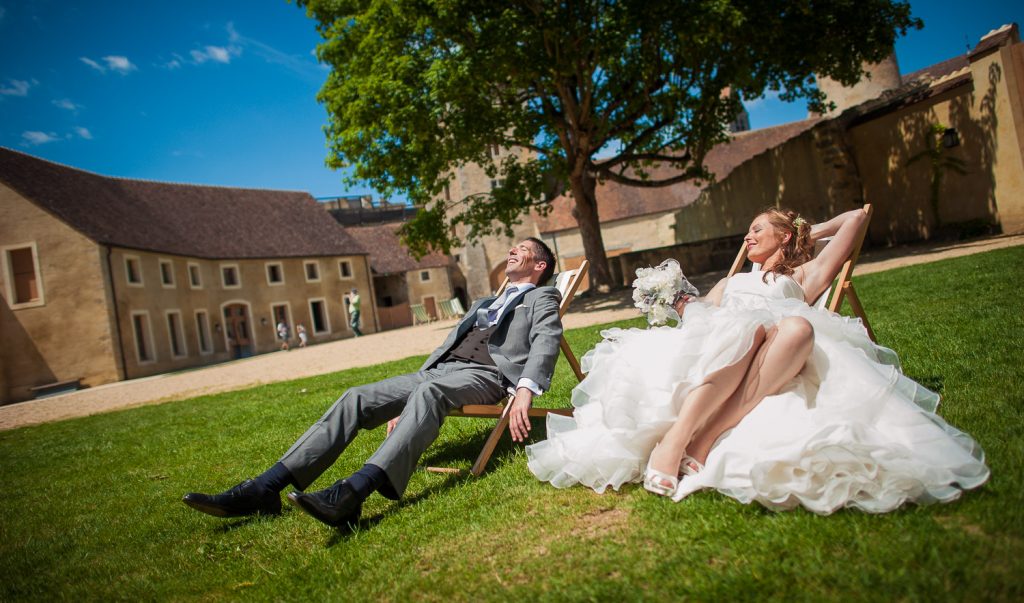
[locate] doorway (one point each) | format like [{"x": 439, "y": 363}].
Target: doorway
[{"x": 236, "y": 325}]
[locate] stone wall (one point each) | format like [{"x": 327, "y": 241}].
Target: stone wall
[{"x": 67, "y": 335}]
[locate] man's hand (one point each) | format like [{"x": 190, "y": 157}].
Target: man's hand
[
  {"x": 391, "y": 426},
  {"x": 519, "y": 418}
]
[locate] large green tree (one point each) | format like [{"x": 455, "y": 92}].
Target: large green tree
[{"x": 594, "y": 89}]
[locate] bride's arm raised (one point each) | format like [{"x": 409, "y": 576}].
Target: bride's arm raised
[{"x": 819, "y": 272}]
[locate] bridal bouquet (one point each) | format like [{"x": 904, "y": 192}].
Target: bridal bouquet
[{"x": 656, "y": 289}]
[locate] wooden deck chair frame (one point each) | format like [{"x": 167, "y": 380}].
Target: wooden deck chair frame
[
  {"x": 567, "y": 281},
  {"x": 419, "y": 314},
  {"x": 842, "y": 286}
]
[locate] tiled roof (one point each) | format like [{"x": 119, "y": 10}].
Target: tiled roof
[
  {"x": 617, "y": 202},
  {"x": 941, "y": 69},
  {"x": 181, "y": 219},
  {"x": 387, "y": 254}
]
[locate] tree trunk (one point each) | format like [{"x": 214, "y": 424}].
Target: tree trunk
[{"x": 585, "y": 211}]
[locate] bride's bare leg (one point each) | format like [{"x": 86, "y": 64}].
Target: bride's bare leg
[
  {"x": 783, "y": 355},
  {"x": 700, "y": 404}
]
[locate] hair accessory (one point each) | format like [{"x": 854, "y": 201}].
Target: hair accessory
[
  {"x": 655, "y": 290},
  {"x": 798, "y": 222}
]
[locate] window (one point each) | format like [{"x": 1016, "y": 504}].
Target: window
[
  {"x": 24, "y": 283},
  {"x": 318, "y": 316},
  {"x": 203, "y": 332},
  {"x": 275, "y": 273},
  {"x": 175, "y": 334},
  {"x": 424, "y": 276},
  {"x": 195, "y": 278},
  {"x": 143, "y": 337},
  {"x": 167, "y": 274},
  {"x": 229, "y": 276},
  {"x": 312, "y": 271},
  {"x": 133, "y": 270},
  {"x": 345, "y": 269}
]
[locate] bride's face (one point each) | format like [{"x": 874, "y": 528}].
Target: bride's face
[{"x": 763, "y": 239}]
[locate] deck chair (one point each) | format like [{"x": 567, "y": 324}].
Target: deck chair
[
  {"x": 419, "y": 314},
  {"x": 567, "y": 282},
  {"x": 444, "y": 308},
  {"x": 456, "y": 307},
  {"x": 842, "y": 287}
]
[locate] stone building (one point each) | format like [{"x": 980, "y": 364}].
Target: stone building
[
  {"x": 400, "y": 280},
  {"x": 104, "y": 279}
]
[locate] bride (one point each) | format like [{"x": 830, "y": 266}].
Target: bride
[{"x": 760, "y": 396}]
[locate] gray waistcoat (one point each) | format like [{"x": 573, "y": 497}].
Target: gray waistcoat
[{"x": 473, "y": 347}]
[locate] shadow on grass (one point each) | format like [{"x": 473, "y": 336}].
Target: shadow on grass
[
  {"x": 343, "y": 533},
  {"x": 232, "y": 524}
]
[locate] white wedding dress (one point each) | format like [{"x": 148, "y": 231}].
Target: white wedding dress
[{"x": 849, "y": 431}]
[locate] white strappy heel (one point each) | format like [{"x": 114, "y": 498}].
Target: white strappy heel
[
  {"x": 659, "y": 483},
  {"x": 690, "y": 466}
]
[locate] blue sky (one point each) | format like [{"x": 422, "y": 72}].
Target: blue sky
[{"x": 224, "y": 92}]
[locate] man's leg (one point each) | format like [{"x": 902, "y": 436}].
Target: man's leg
[
  {"x": 423, "y": 415},
  {"x": 390, "y": 467},
  {"x": 362, "y": 407}
]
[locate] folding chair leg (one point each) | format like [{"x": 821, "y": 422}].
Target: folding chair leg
[
  {"x": 490, "y": 444},
  {"x": 571, "y": 358},
  {"x": 858, "y": 310}
]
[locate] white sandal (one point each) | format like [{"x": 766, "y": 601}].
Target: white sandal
[
  {"x": 659, "y": 483},
  {"x": 690, "y": 466}
]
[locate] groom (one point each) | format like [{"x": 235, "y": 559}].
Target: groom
[{"x": 502, "y": 342}]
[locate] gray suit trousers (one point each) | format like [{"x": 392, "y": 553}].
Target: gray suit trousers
[{"x": 422, "y": 400}]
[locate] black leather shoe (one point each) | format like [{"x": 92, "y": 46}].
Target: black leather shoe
[
  {"x": 247, "y": 498},
  {"x": 336, "y": 506}
]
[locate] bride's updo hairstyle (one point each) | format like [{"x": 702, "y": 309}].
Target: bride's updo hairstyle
[{"x": 799, "y": 249}]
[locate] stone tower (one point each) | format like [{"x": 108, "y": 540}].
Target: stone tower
[{"x": 884, "y": 76}]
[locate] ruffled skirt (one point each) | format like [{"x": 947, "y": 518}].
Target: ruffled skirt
[{"x": 849, "y": 430}]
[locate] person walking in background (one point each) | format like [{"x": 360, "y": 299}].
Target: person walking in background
[
  {"x": 282, "y": 334},
  {"x": 303, "y": 338},
  {"x": 354, "y": 303}
]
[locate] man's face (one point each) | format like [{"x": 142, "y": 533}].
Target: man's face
[{"x": 521, "y": 263}]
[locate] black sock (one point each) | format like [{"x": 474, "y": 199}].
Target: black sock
[
  {"x": 276, "y": 478},
  {"x": 366, "y": 481}
]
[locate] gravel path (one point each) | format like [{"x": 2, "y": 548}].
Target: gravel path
[{"x": 388, "y": 345}]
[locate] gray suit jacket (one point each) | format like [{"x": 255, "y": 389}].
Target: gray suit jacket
[{"x": 525, "y": 340}]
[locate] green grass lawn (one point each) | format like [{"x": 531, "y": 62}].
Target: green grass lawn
[{"x": 91, "y": 507}]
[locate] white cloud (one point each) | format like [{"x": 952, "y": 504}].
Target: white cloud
[
  {"x": 66, "y": 103},
  {"x": 119, "y": 64},
  {"x": 92, "y": 64},
  {"x": 16, "y": 87},
  {"x": 217, "y": 54},
  {"x": 34, "y": 137},
  {"x": 83, "y": 132},
  {"x": 174, "y": 63},
  {"x": 298, "y": 64},
  {"x": 116, "y": 63}
]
